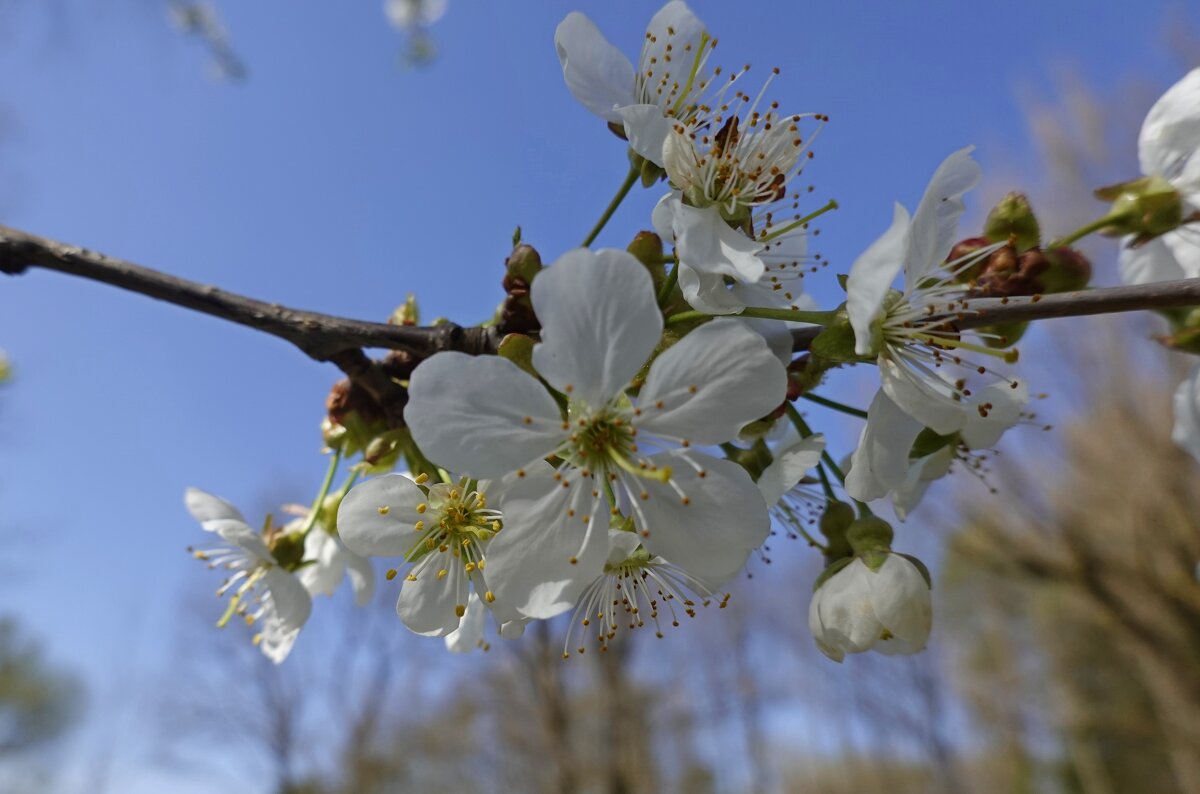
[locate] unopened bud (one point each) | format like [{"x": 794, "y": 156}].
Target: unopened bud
[
  {"x": 406, "y": 313},
  {"x": 868, "y": 534},
  {"x": 965, "y": 248},
  {"x": 1146, "y": 207},
  {"x": 647, "y": 248},
  {"x": 1012, "y": 221},
  {"x": 518, "y": 349},
  {"x": 521, "y": 267},
  {"x": 1068, "y": 270},
  {"x": 836, "y": 519},
  {"x": 1008, "y": 274}
]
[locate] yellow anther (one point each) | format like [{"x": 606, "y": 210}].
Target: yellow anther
[
  {"x": 495, "y": 526},
  {"x": 460, "y": 609},
  {"x": 469, "y": 567},
  {"x": 420, "y": 525},
  {"x": 421, "y": 478},
  {"x": 443, "y": 573},
  {"x": 383, "y": 510},
  {"x": 257, "y": 639},
  {"x": 410, "y": 578},
  {"x": 482, "y": 564},
  {"x": 391, "y": 574},
  {"x": 421, "y": 508},
  {"x": 573, "y": 560},
  {"x": 454, "y": 494},
  {"x": 489, "y": 596}
]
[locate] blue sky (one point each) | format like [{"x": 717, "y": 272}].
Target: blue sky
[{"x": 336, "y": 180}]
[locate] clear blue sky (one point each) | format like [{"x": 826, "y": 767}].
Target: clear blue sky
[{"x": 335, "y": 180}]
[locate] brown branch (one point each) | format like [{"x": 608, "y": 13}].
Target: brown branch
[{"x": 1106, "y": 300}]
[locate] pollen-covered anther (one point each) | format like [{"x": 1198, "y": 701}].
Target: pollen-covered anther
[
  {"x": 391, "y": 574},
  {"x": 383, "y": 510}
]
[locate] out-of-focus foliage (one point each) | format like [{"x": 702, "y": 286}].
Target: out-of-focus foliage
[{"x": 37, "y": 702}]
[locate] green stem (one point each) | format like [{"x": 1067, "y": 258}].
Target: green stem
[
  {"x": 788, "y": 315},
  {"x": 832, "y": 205},
  {"x": 669, "y": 283},
  {"x": 826, "y": 485},
  {"x": 846, "y": 409},
  {"x": 684, "y": 317},
  {"x": 1083, "y": 231},
  {"x": 319, "y": 502},
  {"x": 626, "y": 186}
]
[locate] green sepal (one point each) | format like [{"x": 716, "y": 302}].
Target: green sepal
[
  {"x": 1012, "y": 220},
  {"x": 920, "y": 567},
  {"x": 870, "y": 533},
  {"x": 830, "y": 570},
  {"x": 874, "y": 559},
  {"x": 518, "y": 349},
  {"x": 1146, "y": 207},
  {"x": 929, "y": 442},
  {"x": 835, "y": 344},
  {"x": 288, "y": 550}
]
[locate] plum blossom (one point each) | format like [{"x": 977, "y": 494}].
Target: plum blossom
[
  {"x": 600, "y": 321},
  {"x": 668, "y": 83},
  {"x": 442, "y": 529},
  {"x": 857, "y": 609},
  {"x": 914, "y": 352},
  {"x": 264, "y": 593},
  {"x": 1167, "y": 148},
  {"x": 328, "y": 560}
]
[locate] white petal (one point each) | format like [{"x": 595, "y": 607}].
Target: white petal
[
  {"x": 983, "y": 432},
  {"x": 1184, "y": 245},
  {"x": 242, "y": 536},
  {"x": 710, "y": 384},
  {"x": 1186, "y": 432},
  {"x": 673, "y": 40},
  {"x": 1170, "y": 135},
  {"x": 723, "y": 520},
  {"x": 621, "y": 545},
  {"x": 600, "y": 322},
  {"x": 529, "y": 561},
  {"x": 844, "y": 610},
  {"x": 429, "y": 604},
  {"x": 362, "y": 578},
  {"x": 706, "y": 243},
  {"x": 377, "y": 517},
  {"x": 931, "y": 235},
  {"x": 829, "y": 646},
  {"x": 468, "y": 414},
  {"x": 328, "y": 563},
  {"x": 597, "y": 73},
  {"x": 921, "y": 474},
  {"x": 1149, "y": 263},
  {"x": 662, "y": 217},
  {"x": 930, "y": 400},
  {"x": 205, "y": 507},
  {"x": 469, "y": 633},
  {"x": 790, "y": 465},
  {"x": 646, "y": 129},
  {"x": 708, "y": 292},
  {"x": 902, "y": 603},
  {"x": 290, "y": 608},
  {"x": 880, "y": 463},
  {"x": 871, "y": 277}
]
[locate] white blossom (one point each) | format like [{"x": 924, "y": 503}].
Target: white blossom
[
  {"x": 263, "y": 593},
  {"x": 1167, "y": 148},
  {"x": 327, "y": 560},
  {"x": 856, "y": 609},
  {"x": 668, "y": 83},
  {"x": 600, "y": 322}
]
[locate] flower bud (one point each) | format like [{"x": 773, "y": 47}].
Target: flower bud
[
  {"x": 836, "y": 519},
  {"x": 1068, "y": 270},
  {"x": 1013, "y": 221},
  {"x": 521, "y": 267},
  {"x": 870, "y": 534},
  {"x": 287, "y": 549},
  {"x": 518, "y": 349},
  {"x": 1146, "y": 207},
  {"x": 647, "y": 248},
  {"x": 965, "y": 248},
  {"x": 406, "y": 313}
]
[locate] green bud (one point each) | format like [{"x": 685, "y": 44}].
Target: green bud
[
  {"x": 870, "y": 533},
  {"x": 1068, "y": 270},
  {"x": 836, "y": 519},
  {"x": 1013, "y": 220},
  {"x": 753, "y": 459},
  {"x": 382, "y": 451},
  {"x": 288, "y": 550},
  {"x": 1004, "y": 334},
  {"x": 874, "y": 558},
  {"x": 1147, "y": 207},
  {"x": 650, "y": 173},
  {"x": 406, "y": 313},
  {"x": 835, "y": 344},
  {"x": 647, "y": 248},
  {"x": 329, "y": 511},
  {"x": 518, "y": 349},
  {"x": 522, "y": 265}
]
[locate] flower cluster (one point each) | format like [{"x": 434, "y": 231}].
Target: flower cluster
[{"x": 637, "y": 433}]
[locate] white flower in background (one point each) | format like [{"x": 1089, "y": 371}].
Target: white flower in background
[
  {"x": 634, "y": 587},
  {"x": 600, "y": 323},
  {"x": 725, "y": 215},
  {"x": 406, "y": 14},
  {"x": 856, "y": 609},
  {"x": 1167, "y": 148},
  {"x": 668, "y": 83},
  {"x": 264, "y": 594},
  {"x": 1186, "y": 432},
  {"x": 327, "y": 560},
  {"x": 442, "y": 529},
  {"x": 912, "y": 351}
]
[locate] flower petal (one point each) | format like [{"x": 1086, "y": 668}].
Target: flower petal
[
  {"x": 711, "y": 534},
  {"x": 290, "y": 608},
  {"x": 646, "y": 129},
  {"x": 1186, "y": 432},
  {"x": 469, "y": 414},
  {"x": 600, "y": 322},
  {"x": 1148, "y": 263},
  {"x": 929, "y": 400},
  {"x": 706, "y": 243},
  {"x": 790, "y": 465},
  {"x": 983, "y": 432},
  {"x": 921, "y": 474},
  {"x": 709, "y": 385},
  {"x": 871, "y": 277},
  {"x": 1184, "y": 245},
  {"x": 844, "y": 612},
  {"x": 1170, "y": 135},
  {"x": 529, "y": 562},
  {"x": 429, "y": 604},
  {"x": 327, "y": 563},
  {"x": 597, "y": 73},
  {"x": 377, "y": 517},
  {"x": 362, "y": 577},
  {"x": 880, "y": 462},
  {"x": 205, "y": 507},
  {"x": 935, "y": 222},
  {"x": 708, "y": 292},
  {"x": 901, "y": 601},
  {"x": 469, "y": 633}
]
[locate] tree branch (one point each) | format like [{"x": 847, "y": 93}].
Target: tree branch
[{"x": 1106, "y": 300}]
